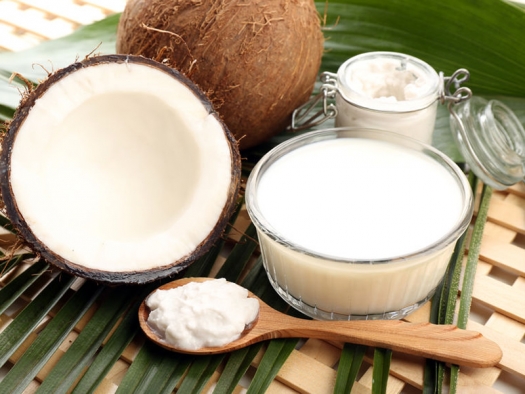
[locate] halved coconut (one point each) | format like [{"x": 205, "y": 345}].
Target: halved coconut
[{"x": 117, "y": 169}]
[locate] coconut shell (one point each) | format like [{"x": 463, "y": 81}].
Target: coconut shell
[
  {"x": 108, "y": 276},
  {"x": 256, "y": 60}
]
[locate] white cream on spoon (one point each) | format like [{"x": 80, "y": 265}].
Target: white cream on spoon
[{"x": 196, "y": 315}]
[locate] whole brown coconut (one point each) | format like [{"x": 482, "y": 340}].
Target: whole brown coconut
[{"x": 257, "y": 60}]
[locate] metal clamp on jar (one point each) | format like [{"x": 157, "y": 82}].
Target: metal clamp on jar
[{"x": 398, "y": 92}]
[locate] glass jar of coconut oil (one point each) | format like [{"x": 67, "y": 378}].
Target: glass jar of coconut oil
[
  {"x": 387, "y": 90},
  {"x": 399, "y": 93},
  {"x": 381, "y": 90}
]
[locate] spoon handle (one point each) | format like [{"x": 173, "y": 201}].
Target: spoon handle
[{"x": 439, "y": 342}]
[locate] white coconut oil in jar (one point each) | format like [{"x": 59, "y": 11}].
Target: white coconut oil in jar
[
  {"x": 388, "y": 91},
  {"x": 357, "y": 223}
]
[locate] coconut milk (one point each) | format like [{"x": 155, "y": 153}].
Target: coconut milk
[{"x": 353, "y": 225}]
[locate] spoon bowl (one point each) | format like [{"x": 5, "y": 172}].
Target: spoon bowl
[{"x": 445, "y": 343}]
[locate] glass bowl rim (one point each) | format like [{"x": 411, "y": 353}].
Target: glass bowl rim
[{"x": 309, "y": 137}]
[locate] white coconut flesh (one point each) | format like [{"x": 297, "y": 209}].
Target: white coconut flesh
[{"x": 120, "y": 167}]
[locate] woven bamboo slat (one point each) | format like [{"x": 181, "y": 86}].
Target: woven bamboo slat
[
  {"x": 498, "y": 309},
  {"x": 25, "y": 23}
]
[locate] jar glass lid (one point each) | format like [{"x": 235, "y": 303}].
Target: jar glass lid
[{"x": 491, "y": 139}]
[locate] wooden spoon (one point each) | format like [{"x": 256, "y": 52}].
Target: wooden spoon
[{"x": 439, "y": 342}]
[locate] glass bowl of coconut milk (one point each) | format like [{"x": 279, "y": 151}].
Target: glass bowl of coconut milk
[{"x": 355, "y": 223}]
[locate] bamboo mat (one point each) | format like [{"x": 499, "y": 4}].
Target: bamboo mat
[
  {"x": 25, "y": 23},
  {"x": 498, "y": 309}
]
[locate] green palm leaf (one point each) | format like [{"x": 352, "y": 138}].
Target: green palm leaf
[
  {"x": 275, "y": 356},
  {"x": 151, "y": 366},
  {"x": 112, "y": 350},
  {"x": 237, "y": 365},
  {"x": 24, "y": 324},
  {"x": 448, "y": 34},
  {"x": 50, "y": 339},
  {"x": 239, "y": 256},
  {"x": 382, "y": 358},
  {"x": 200, "y": 373},
  {"x": 348, "y": 368},
  {"x": 18, "y": 285},
  {"x": 67, "y": 369}
]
